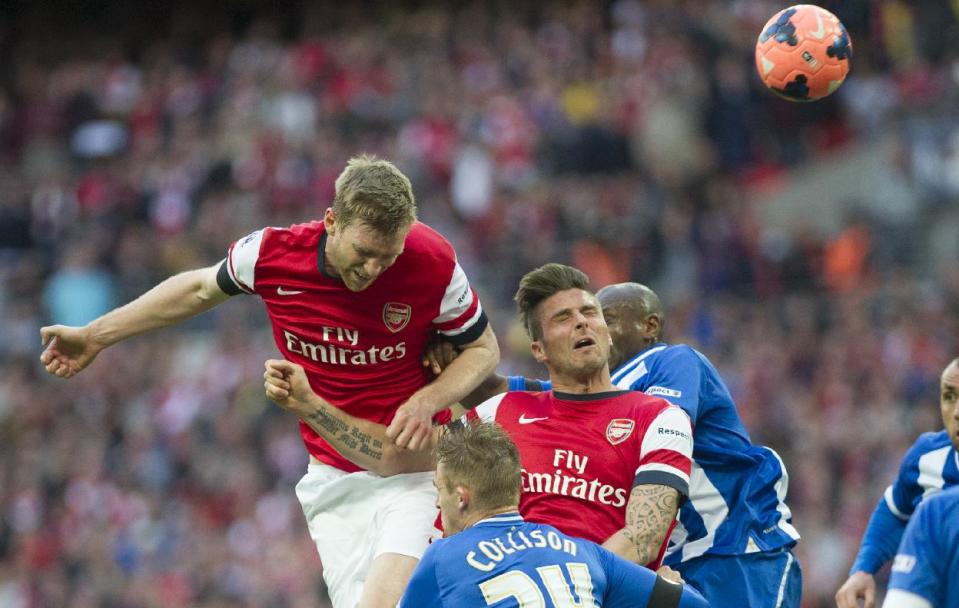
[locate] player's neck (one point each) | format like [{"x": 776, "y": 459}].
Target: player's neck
[
  {"x": 487, "y": 513},
  {"x": 598, "y": 382}
]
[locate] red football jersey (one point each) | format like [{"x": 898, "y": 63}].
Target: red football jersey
[
  {"x": 361, "y": 350},
  {"x": 582, "y": 454}
]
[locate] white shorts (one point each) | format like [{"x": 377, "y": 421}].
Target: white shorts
[{"x": 355, "y": 517}]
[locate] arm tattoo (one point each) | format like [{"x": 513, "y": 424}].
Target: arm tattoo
[
  {"x": 649, "y": 513},
  {"x": 344, "y": 436}
]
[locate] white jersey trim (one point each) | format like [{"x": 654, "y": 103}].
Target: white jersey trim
[
  {"x": 241, "y": 262},
  {"x": 457, "y": 299},
  {"x": 711, "y": 507},
  {"x": 468, "y": 324},
  {"x": 782, "y": 486},
  {"x": 782, "y": 582},
  {"x": 669, "y": 430},
  {"x": 900, "y": 598},
  {"x": 486, "y": 411},
  {"x": 634, "y": 369},
  {"x": 931, "y": 465},
  {"x": 891, "y": 503}
]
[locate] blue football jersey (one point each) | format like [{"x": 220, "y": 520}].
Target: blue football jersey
[
  {"x": 928, "y": 558},
  {"x": 505, "y": 562},
  {"x": 737, "y": 490},
  {"x": 930, "y": 465}
]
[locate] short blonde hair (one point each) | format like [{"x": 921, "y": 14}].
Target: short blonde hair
[
  {"x": 483, "y": 458},
  {"x": 376, "y": 193}
]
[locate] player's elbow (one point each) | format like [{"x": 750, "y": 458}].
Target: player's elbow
[
  {"x": 486, "y": 352},
  {"x": 386, "y": 467},
  {"x": 492, "y": 385},
  {"x": 206, "y": 288},
  {"x": 391, "y": 462}
]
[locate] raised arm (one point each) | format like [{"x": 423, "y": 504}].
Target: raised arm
[
  {"x": 360, "y": 441},
  {"x": 440, "y": 353},
  {"x": 71, "y": 349},
  {"x": 650, "y": 513},
  {"x": 412, "y": 425},
  {"x": 661, "y": 483}
]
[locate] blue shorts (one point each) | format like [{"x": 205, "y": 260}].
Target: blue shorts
[{"x": 757, "y": 580}]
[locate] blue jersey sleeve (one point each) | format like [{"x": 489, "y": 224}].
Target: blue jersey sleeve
[
  {"x": 520, "y": 383},
  {"x": 629, "y": 585},
  {"x": 880, "y": 541},
  {"x": 888, "y": 521},
  {"x": 677, "y": 377},
  {"x": 423, "y": 590},
  {"x": 918, "y": 566},
  {"x": 906, "y": 492}
]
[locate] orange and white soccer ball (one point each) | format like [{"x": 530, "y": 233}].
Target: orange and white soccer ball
[{"x": 803, "y": 53}]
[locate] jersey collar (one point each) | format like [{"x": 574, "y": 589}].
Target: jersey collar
[
  {"x": 636, "y": 359},
  {"x": 587, "y": 396},
  {"x": 512, "y": 517},
  {"x": 321, "y": 257}
]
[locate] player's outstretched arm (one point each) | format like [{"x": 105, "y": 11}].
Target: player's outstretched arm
[
  {"x": 70, "y": 349},
  {"x": 440, "y": 353},
  {"x": 360, "y": 441},
  {"x": 628, "y": 584},
  {"x": 650, "y": 512},
  {"x": 412, "y": 426}
]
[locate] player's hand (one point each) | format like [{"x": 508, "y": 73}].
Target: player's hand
[
  {"x": 438, "y": 355},
  {"x": 412, "y": 426},
  {"x": 861, "y": 585},
  {"x": 68, "y": 349},
  {"x": 670, "y": 575},
  {"x": 286, "y": 384}
]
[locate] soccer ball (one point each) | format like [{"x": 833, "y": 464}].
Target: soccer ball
[{"x": 803, "y": 53}]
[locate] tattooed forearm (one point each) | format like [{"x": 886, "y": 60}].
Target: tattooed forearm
[
  {"x": 649, "y": 513},
  {"x": 344, "y": 437}
]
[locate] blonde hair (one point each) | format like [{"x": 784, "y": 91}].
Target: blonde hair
[
  {"x": 376, "y": 193},
  {"x": 538, "y": 285},
  {"x": 484, "y": 459}
]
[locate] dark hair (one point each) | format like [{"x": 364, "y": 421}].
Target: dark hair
[
  {"x": 538, "y": 285},
  {"x": 483, "y": 458}
]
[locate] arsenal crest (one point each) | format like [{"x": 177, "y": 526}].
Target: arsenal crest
[
  {"x": 619, "y": 430},
  {"x": 396, "y": 315}
]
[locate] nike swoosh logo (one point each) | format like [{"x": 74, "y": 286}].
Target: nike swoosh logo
[
  {"x": 524, "y": 420},
  {"x": 287, "y": 292},
  {"x": 819, "y": 33}
]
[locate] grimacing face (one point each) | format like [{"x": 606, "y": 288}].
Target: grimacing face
[
  {"x": 949, "y": 402},
  {"x": 358, "y": 254},
  {"x": 574, "y": 338}
]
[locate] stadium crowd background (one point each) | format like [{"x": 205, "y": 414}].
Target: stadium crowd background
[{"x": 629, "y": 138}]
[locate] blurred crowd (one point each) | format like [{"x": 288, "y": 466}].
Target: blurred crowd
[{"x": 632, "y": 139}]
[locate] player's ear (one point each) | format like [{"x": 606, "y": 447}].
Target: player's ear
[
  {"x": 538, "y": 353},
  {"x": 329, "y": 220},
  {"x": 652, "y": 326},
  {"x": 463, "y": 497}
]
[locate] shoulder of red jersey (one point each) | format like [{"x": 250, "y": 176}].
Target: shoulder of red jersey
[
  {"x": 513, "y": 406},
  {"x": 423, "y": 241},
  {"x": 641, "y": 399},
  {"x": 666, "y": 448},
  {"x": 237, "y": 273},
  {"x": 460, "y": 318}
]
